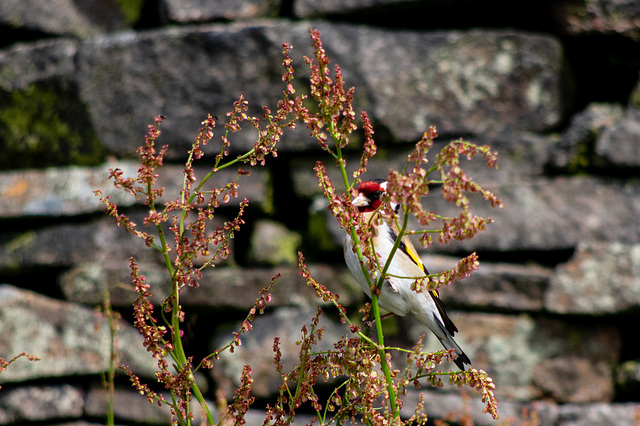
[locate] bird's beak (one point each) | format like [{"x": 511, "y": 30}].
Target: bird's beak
[{"x": 360, "y": 201}]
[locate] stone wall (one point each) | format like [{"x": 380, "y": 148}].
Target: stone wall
[{"x": 552, "y": 313}]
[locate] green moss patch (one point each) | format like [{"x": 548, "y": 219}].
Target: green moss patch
[
  {"x": 131, "y": 10},
  {"x": 45, "y": 125}
]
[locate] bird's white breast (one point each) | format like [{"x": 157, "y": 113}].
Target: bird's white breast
[{"x": 389, "y": 300}]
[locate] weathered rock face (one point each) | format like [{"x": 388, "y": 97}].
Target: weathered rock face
[
  {"x": 66, "y": 17},
  {"x": 534, "y": 358},
  {"x": 619, "y": 144},
  {"x": 451, "y": 78},
  {"x": 68, "y": 191},
  {"x": 575, "y": 150},
  {"x": 189, "y": 11},
  {"x": 598, "y": 16},
  {"x": 44, "y": 403},
  {"x": 257, "y": 349},
  {"x": 69, "y": 339},
  {"x": 602, "y": 278},
  {"x": 550, "y": 314}
]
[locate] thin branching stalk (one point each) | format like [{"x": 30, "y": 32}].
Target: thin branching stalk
[
  {"x": 355, "y": 360},
  {"x": 109, "y": 379}
]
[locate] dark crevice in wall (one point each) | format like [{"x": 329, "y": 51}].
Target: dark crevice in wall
[
  {"x": 286, "y": 9},
  {"x": 10, "y": 35},
  {"x": 627, "y": 388},
  {"x": 290, "y": 210},
  {"x": 40, "y": 279},
  {"x": 604, "y": 68},
  {"x": 17, "y": 225},
  {"x": 242, "y": 239},
  {"x": 150, "y": 15},
  {"x": 547, "y": 258},
  {"x": 459, "y": 15}
]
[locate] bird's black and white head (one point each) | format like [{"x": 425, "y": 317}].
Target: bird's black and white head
[{"x": 369, "y": 195}]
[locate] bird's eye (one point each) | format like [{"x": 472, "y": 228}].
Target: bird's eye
[{"x": 376, "y": 195}]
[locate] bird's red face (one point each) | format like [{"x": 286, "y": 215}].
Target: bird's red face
[{"x": 369, "y": 195}]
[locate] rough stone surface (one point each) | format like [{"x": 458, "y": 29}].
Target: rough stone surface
[
  {"x": 40, "y": 403},
  {"x": 26, "y": 63},
  {"x": 494, "y": 285},
  {"x": 133, "y": 408},
  {"x": 525, "y": 355},
  {"x": 522, "y": 156},
  {"x": 451, "y": 78},
  {"x": 64, "y": 17},
  {"x": 574, "y": 152},
  {"x": 68, "y": 244},
  {"x": 175, "y": 70},
  {"x": 68, "y": 191},
  {"x": 220, "y": 287},
  {"x": 599, "y": 414},
  {"x": 257, "y": 349},
  {"x": 305, "y": 8},
  {"x": 457, "y": 90},
  {"x": 599, "y": 16},
  {"x": 601, "y": 278},
  {"x": 87, "y": 282},
  {"x": 202, "y": 11},
  {"x": 572, "y": 379},
  {"x": 558, "y": 340},
  {"x": 567, "y": 210},
  {"x": 85, "y": 242},
  {"x": 273, "y": 244},
  {"x": 128, "y": 405},
  {"x": 457, "y": 409},
  {"x": 619, "y": 144},
  {"x": 53, "y": 192},
  {"x": 242, "y": 286},
  {"x": 68, "y": 339}
]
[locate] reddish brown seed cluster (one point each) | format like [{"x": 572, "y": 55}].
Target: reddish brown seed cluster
[{"x": 371, "y": 389}]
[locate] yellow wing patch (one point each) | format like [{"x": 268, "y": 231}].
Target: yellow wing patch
[{"x": 408, "y": 247}]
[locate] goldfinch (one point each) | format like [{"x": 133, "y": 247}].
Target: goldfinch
[{"x": 396, "y": 296}]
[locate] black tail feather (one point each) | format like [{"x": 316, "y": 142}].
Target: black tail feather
[{"x": 461, "y": 359}]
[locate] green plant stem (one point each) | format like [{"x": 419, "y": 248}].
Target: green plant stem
[
  {"x": 343, "y": 171},
  {"x": 178, "y": 353},
  {"x": 111, "y": 373},
  {"x": 376, "y": 313},
  {"x": 383, "y": 356},
  {"x": 201, "y": 400},
  {"x": 394, "y": 249}
]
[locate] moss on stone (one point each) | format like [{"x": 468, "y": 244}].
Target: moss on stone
[
  {"x": 319, "y": 234},
  {"x": 390, "y": 326},
  {"x": 581, "y": 160},
  {"x": 46, "y": 124},
  {"x": 131, "y": 10},
  {"x": 272, "y": 243},
  {"x": 634, "y": 99},
  {"x": 269, "y": 204}
]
